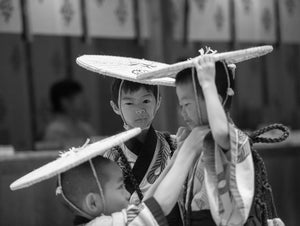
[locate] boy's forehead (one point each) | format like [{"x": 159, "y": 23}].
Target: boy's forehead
[
  {"x": 185, "y": 88},
  {"x": 141, "y": 92},
  {"x": 185, "y": 91}
]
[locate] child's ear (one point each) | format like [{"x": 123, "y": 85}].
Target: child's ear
[
  {"x": 158, "y": 103},
  {"x": 115, "y": 108},
  {"x": 93, "y": 204}
]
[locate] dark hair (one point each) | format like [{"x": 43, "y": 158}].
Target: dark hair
[
  {"x": 223, "y": 73},
  {"x": 63, "y": 89},
  {"x": 80, "y": 181},
  {"x": 129, "y": 86}
]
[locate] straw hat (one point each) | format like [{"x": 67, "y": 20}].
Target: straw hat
[
  {"x": 73, "y": 158},
  {"x": 231, "y": 57},
  {"x": 125, "y": 68},
  {"x": 156, "y": 73}
]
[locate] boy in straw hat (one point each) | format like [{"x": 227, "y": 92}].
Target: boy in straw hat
[
  {"x": 93, "y": 186},
  {"x": 212, "y": 195},
  {"x": 228, "y": 184},
  {"x": 220, "y": 187},
  {"x": 143, "y": 158}
]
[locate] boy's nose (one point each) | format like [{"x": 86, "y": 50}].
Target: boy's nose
[
  {"x": 183, "y": 113},
  {"x": 140, "y": 111}
]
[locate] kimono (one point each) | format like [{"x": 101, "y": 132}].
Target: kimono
[
  {"x": 147, "y": 213},
  {"x": 220, "y": 187},
  {"x": 147, "y": 160}
]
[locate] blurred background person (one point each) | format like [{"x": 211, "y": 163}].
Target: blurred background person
[{"x": 67, "y": 127}]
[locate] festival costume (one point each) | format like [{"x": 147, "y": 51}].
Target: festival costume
[
  {"x": 230, "y": 187},
  {"x": 219, "y": 179},
  {"x": 147, "y": 159},
  {"x": 147, "y": 213}
]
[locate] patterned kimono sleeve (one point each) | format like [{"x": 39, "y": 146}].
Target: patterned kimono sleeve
[
  {"x": 229, "y": 179},
  {"x": 148, "y": 213}
]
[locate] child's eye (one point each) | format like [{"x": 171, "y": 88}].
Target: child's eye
[
  {"x": 128, "y": 103},
  {"x": 146, "y": 101}
]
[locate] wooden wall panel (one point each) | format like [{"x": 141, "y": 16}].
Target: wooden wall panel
[
  {"x": 15, "y": 124},
  {"x": 49, "y": 65}
]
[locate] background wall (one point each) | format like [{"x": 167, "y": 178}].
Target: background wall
[{"x": 267, "y": 88}]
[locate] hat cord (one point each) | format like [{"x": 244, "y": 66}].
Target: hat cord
[
  {"x": 99, "y": 185},
  {"x": 228, "y": 85},
  {"x": 196, "y": 97},
  {"x": 126, "y": 126}
]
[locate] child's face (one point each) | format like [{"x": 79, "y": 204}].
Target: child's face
[
  {"x": 75, "y": 105},
  {"x": 138, "y": 107},
  {"x": 187, "y": 102},
  {"x": 116, "y": 195}
]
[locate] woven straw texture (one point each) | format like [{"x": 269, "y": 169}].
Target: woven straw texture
[
  {"x": 73, "y": 158},
  {"x": 231, "y": 57},
  {"x": 123, "y": 68}
]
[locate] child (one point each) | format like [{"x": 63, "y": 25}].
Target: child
[
  {"x": 143, "y": 158},
  {"x": 68, "y": 105},
  {"x": 94, "y": 187},
  {"x": 220, "y": 187}
]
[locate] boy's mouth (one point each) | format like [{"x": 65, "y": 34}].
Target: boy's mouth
[
  {"x": 189, "y": 122},
  {"x": 141, "y": 119}
]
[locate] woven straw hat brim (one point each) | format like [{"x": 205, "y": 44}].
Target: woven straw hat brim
[
  {"x": 72, "y": 159},
  {"x": 231, "y": 57},
  {"x": 125, "y": 68}
]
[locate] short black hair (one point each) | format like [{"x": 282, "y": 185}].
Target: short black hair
[
  {"x": 66, "y": 88},
  {"x": 224, "y": 75},
  {"x": 80, "y": 181},
  {"x": 129, "y": 86}
]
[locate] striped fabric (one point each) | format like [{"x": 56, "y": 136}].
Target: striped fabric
[
  {"x": 229, "y": 180},
  {"x": 132, "y": 212},
  {"x": 199, "y": 199}
]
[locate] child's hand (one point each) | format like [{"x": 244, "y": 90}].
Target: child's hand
[
  {"x": 181, "y": 134},
  {"x": 194, "y": 141},
  {"x": 205, "y": 66}
]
